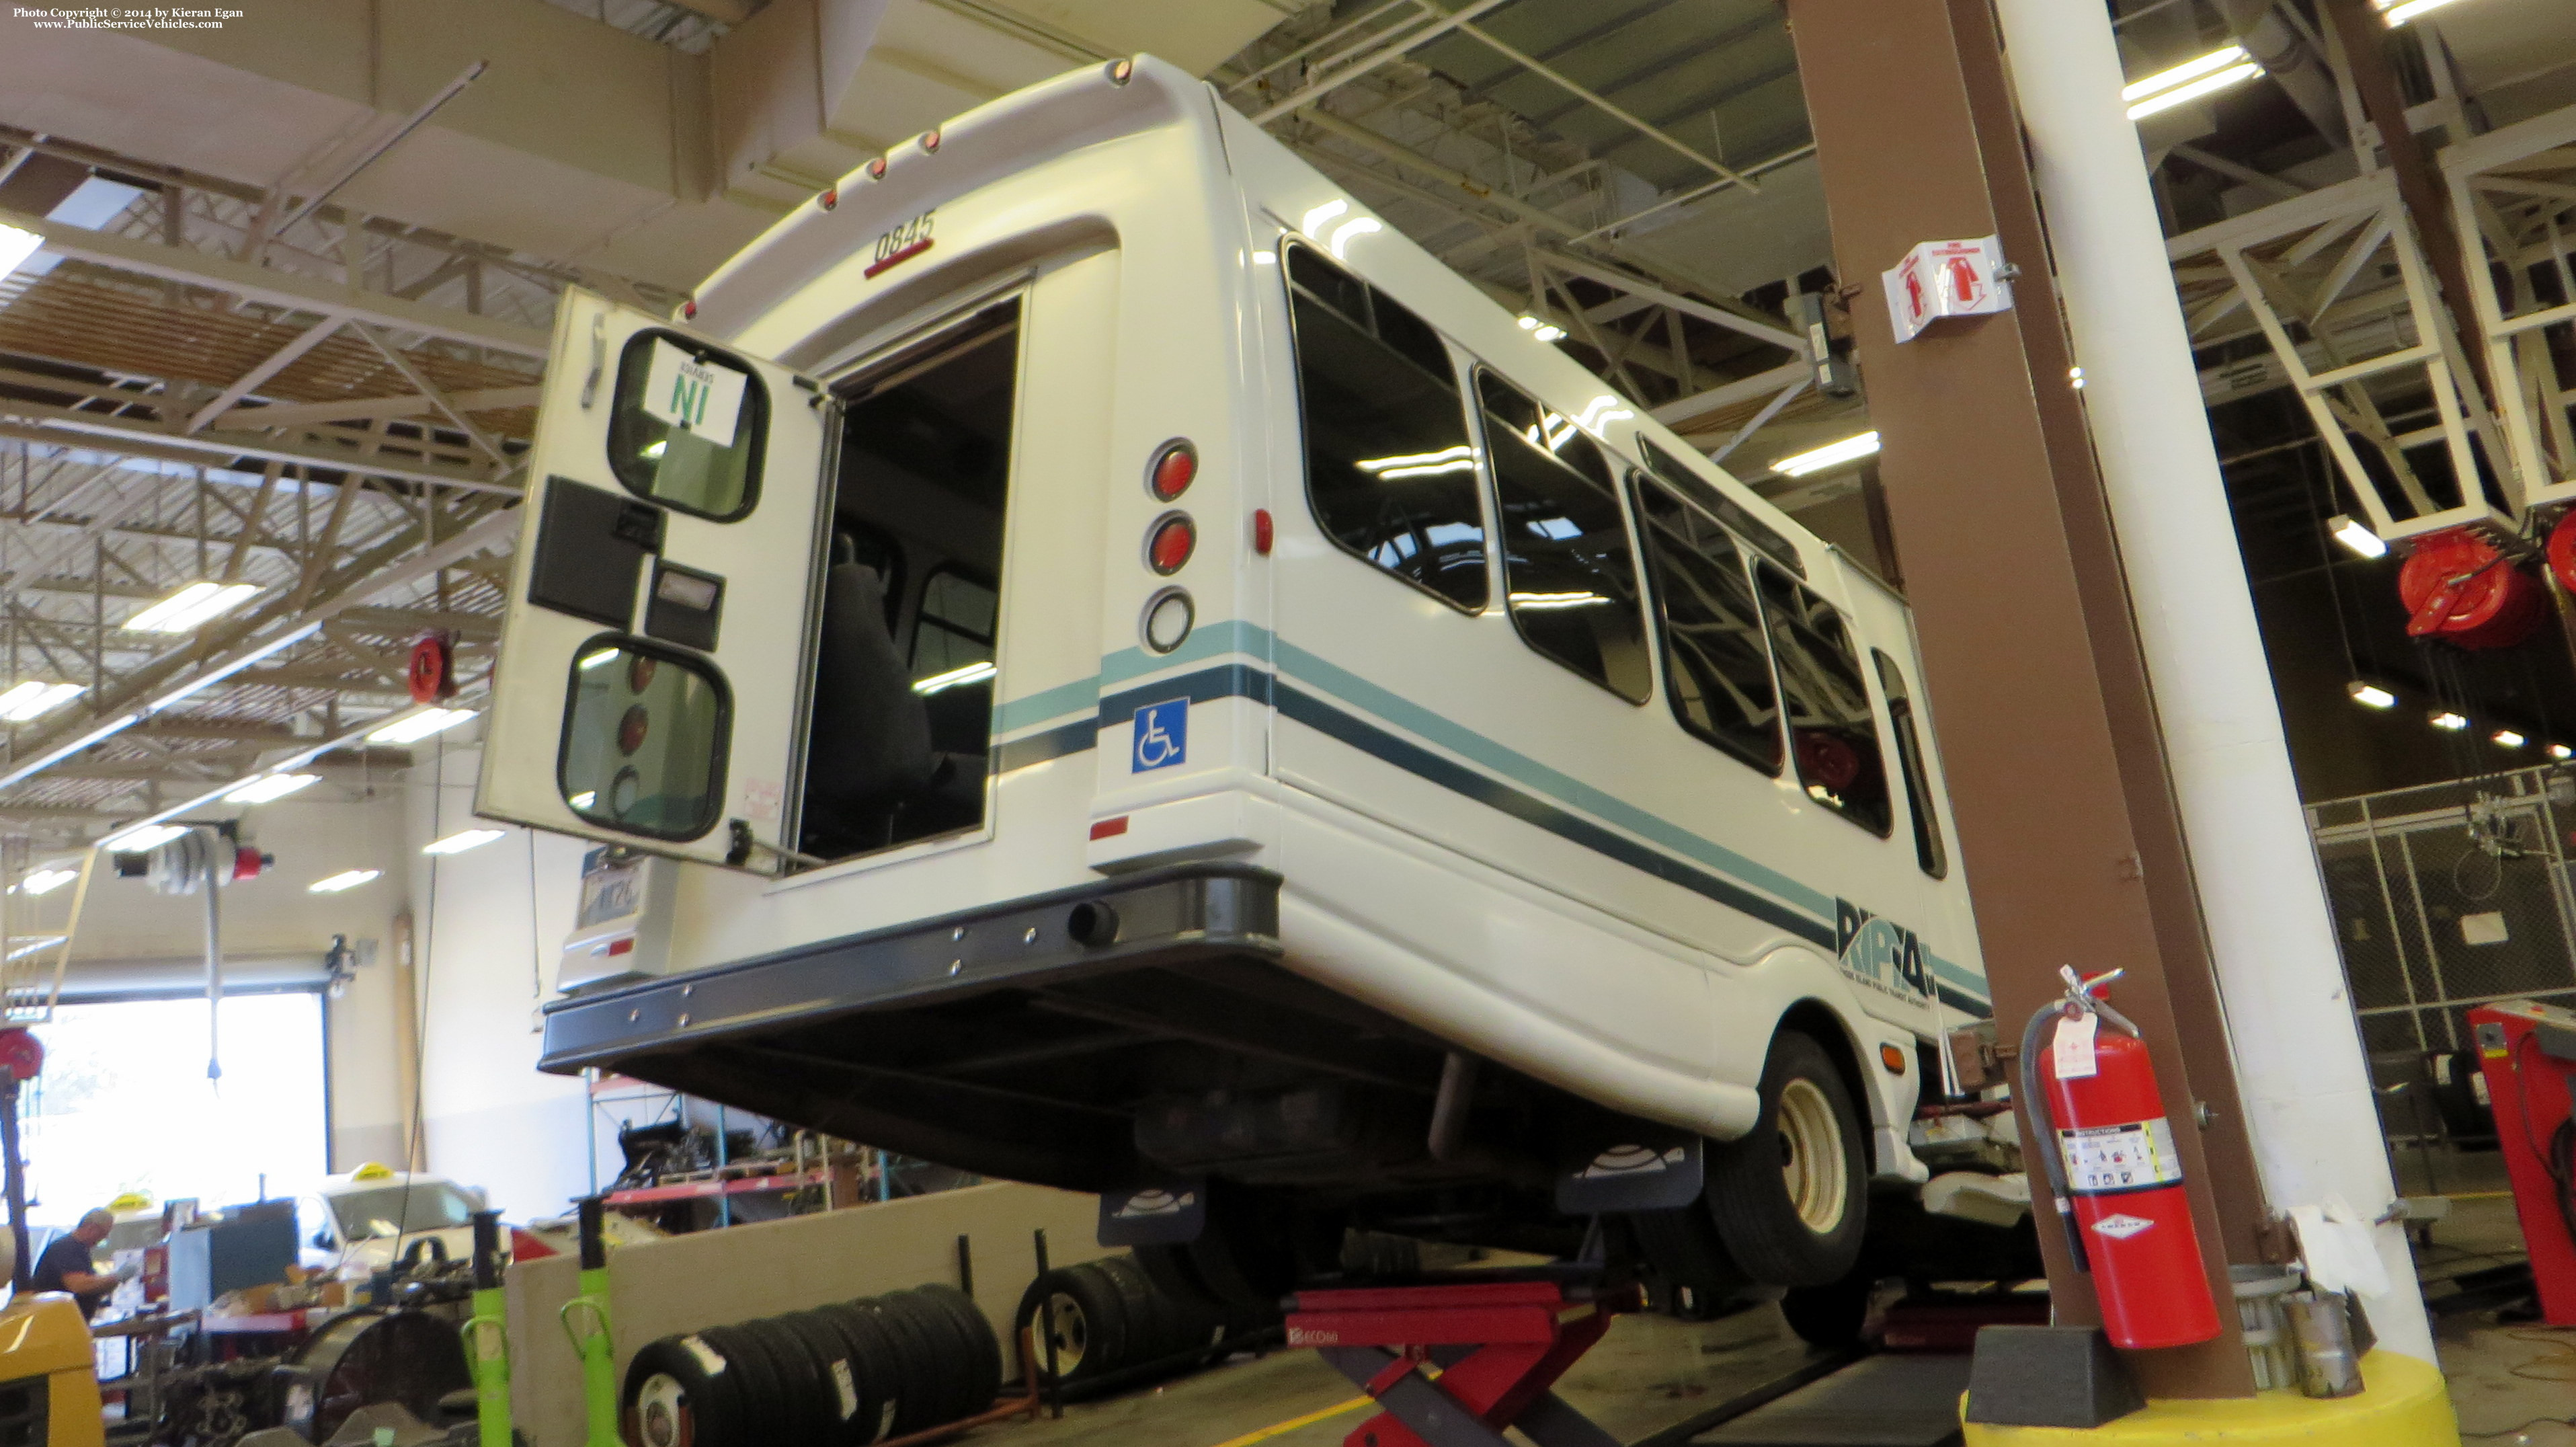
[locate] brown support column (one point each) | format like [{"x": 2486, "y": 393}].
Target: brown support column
[{"x": 2068, "y": 832}]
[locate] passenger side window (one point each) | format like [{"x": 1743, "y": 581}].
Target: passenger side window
[
  {"x": 1928, "y": 849},
  {"x": 1567, "y": 572},
  {"x": 1832, "y": 732},
  {"x": 1389, "y": 468},
  {"x": 1765, "y": 539},
  {"x": 1717, "y": 672}
]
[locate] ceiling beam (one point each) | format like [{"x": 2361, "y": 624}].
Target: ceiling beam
[
  {"x": 306, "y": 414},
  {"x": 278, "y": 288}
]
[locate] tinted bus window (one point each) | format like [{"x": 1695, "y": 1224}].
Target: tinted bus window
[
  {"x": 1765, "y": 539},
  {"x": 1928, "y": 849},
  {"x": 1717, "y": 672},
  {"x": 1389, "y": 468},
  {"x": 1566, "y": 565},
  {"x": 1832, "y": 732}
]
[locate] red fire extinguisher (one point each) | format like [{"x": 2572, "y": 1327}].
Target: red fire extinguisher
[{"x": 2115, "y": 1172}]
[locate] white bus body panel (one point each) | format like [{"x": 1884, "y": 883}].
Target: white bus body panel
[{"x": 1515, "y": 860}]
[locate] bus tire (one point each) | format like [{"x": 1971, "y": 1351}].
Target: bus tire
[
  {"x": 1831, "y": 1316},
  {"x": 1791, "y": 1197}
]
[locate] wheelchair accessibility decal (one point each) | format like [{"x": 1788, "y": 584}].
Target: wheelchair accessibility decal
[
  {"x": 1880, "y": 953},
  {"x": 1162, "y": 736}
]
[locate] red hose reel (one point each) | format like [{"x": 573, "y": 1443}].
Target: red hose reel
[{"x": 2459, "y": 588}]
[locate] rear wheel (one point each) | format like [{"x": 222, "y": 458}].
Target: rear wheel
[
  {"x": 1791, "y": 1198},
  {"x": 1700, "y": 1279}
]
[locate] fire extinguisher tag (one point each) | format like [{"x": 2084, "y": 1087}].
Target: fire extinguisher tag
[
  {"x": 2073, "y": 1047},
  {"x": 2105, "y": 1160}
]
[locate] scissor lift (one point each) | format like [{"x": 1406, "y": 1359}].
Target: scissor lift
[{"x": 1500, "y": 1346}]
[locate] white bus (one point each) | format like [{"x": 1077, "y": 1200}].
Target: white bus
[{"x": 1100, "y": 663}]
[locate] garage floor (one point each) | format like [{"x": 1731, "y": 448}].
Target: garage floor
[{"x": 2503, "y": 1376}]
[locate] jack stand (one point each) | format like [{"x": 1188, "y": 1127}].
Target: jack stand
[{"x": 1499, "y": 1344}]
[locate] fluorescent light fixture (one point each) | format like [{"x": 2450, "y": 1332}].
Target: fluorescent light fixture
[
  {"x": 603, "y": 657},
  {"x": 1556, "y": 600},
  {"x": 2399, "y": 13},
  {"x": 1544, "y": 331},
  {"x": 192, "y": 605},
  {"x": 2561, "y": 752},
  {"x": 1313, "y": 222},
  {"x": 1832, "y": 454},
  {"x": 2353, "y": 535},
  {"x": 2075, "y": 376},
  {"x": 411, "y": 728},
  {"x": 2508, "y": 739},
  {"x": 46, "y": 881},
  {"x": 270, "y": 787},
  {"x": 654, "y": 452},
  {"x": 584, "y": 799},
  {"x": 36, "y": 945},
  {"x": 15, "y": 247},
  {"x": 940, "y": 682},
  {"x": 1348, "y": 232},
  {"x": 2185, "y": 73},
  {"x": 2370, "y": 695},
  {"x": 2210, "y": 85},
  {"x": 142, "y": 837},
  {"x": 205, "y": 681},
  {"x": 2449, "y": 722},
  {"x": 345, "y": 879},
  {"x": 461, "y": 841},
  {"x": 32, "y": 698}
]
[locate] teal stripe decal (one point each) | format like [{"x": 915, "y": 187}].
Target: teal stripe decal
[
  {"x": 1237, "y": 636},
  {"x": 1080, "y": 696},
  {"x": 1522, "y": 769},
  {"x": 1958, "y": 975}
]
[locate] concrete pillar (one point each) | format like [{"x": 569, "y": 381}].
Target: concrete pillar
[{"x": 2300, "y": 1069}]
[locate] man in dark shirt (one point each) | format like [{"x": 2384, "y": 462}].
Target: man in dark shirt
[{"x": 66, "y": 1265}]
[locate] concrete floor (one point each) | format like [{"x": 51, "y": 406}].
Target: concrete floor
[{"x": 2503, "y": 1375}]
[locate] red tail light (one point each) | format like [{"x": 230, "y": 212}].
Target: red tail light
[
  {"x": 1176, "y": 466},
  {"x": 1174, "y": 539}
]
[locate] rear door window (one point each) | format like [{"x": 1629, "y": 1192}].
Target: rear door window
[
  {"x": 1390, "y": 471},
  {"x": 1833, "y": 734},
  {"x": 688, "y": 425},
  {"x": 1929, "y": 850},
  {"x": 1567, "y": 570},
  {"x": 1717, "y": 671},
  {"x": 643, "y": 729}
]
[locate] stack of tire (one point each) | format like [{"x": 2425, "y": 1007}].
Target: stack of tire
[
  {"x": 838, "y": 1376},
  {"x": 1107, "y": 1319}
]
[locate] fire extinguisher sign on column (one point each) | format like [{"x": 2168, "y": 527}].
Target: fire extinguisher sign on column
[{"x": 2123, "y": 1179}]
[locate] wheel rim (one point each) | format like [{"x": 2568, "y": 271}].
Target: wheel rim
[
  {"x": 1811, "y": 1157},
  {"x": 1070, "y": 1329},
  {"x": 662, "y": 1412}
]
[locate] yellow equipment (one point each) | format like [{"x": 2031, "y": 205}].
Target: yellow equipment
[{"x": 48, "y": 1382}]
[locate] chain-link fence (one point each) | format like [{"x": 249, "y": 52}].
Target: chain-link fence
[{"x": 2445, "y": 897}]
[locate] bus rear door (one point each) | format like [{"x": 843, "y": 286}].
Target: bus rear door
[{"x": 654, "y": 665}]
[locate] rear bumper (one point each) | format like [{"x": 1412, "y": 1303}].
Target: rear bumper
[{"x": 1159, "y": 919}]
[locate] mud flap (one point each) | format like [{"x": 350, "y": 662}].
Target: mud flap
[
  {"x": 1631, "y": 1176},
  {"x": 1161, "y": 1213}
]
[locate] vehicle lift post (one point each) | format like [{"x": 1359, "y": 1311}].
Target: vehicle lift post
[{"x": 1500, "y": 1346}]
